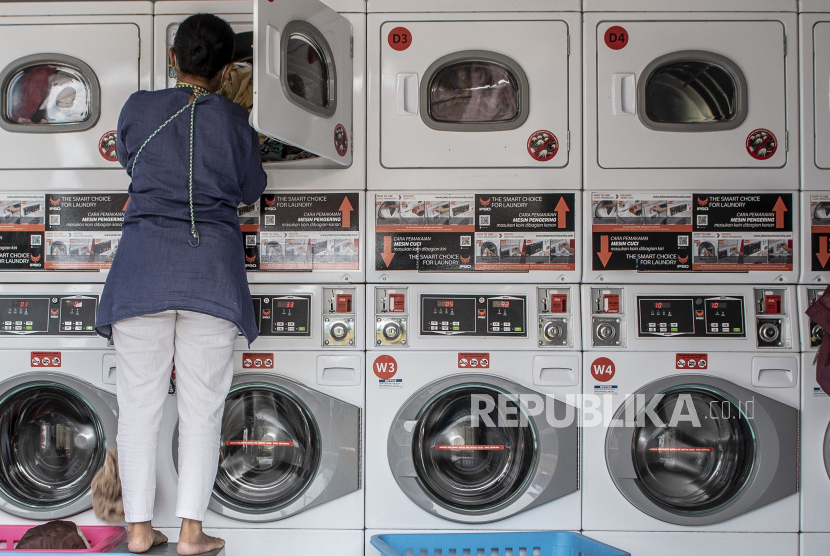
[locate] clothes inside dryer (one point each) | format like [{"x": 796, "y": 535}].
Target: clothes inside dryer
[
  {"x": 474, "y": 91},
  {"x": 700, "y": 463},
  {"x": 270, "y": 449},
  {"x": 472, "y": 463},
  {"x": 53, "y": 443}
]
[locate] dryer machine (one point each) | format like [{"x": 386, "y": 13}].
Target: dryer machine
[
  {"x": 58, "y": 410},
  {"x": 694, "y": 409},
  {"x": 61, "y": 95},
  {"x": 814, "y": 41},
  {"x": 308, "y": 60},
  {"x": 815, "y": 423},
  {"x": 459, "y": 95},
  {"x": 677, "y": 94},
  {"x": 472, "y": 406},
  {"x": 290, "y": 464}
]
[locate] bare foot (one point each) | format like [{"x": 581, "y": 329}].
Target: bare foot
[
  {"x": 192, "y": 540},
  {"x": 143, "y": 536}
]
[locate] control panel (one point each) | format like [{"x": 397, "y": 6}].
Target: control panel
[
  {"x": 625, "y": 315},
  {"x": 475, "y": 315},
  {"x": 283, "y": 315},
  {"x": 48, "y": 315},
  {"x": 690, "y": 316}
]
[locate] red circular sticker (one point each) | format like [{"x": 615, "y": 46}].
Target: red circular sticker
[
  {"x": 761, "y": 144},
  {"x": 602, "y": 369},
  {"x": 542, "y": 145},
  {"x": 385, "y": 366},
  {"x": 106, "y": 146},
  {"x": 341, "y": 140},
  {"x": 400, "y": 38},
  {"x": 616, "y": 38}
]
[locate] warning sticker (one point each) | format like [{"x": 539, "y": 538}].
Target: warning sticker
[
  {"x": 542, "y": 145},
  {"x": 341, "y": 140},
  {"x": 473, "y": 232},
  {"x": 46, "y": 359},
  {"x": 473, "y": 360},
  {"x": 106, "y": 146},
  {"x": 692, "y": 232},
  {"x": 761, "y": 144},
  {"x": 819, "y": 231}
]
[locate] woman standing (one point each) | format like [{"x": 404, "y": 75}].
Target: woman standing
[{"x": 177, "y": 288}]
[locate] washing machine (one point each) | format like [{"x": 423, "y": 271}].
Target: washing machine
[
  {"x": 58, "y": 410},
  {"x": 458, "y": 97},
  {"x": 815, "y": 236},
  {"x": 642, "y": 236},
  {"x": 472, "y": 404},
  {"x": 676, "y": 94},
  {"x": 814, "y": 34},
  {"x": 310, "y": 60},
  {"x": 691, "y": 411},
  {"x": 814, "y": 544},
  {"x": 62, "y": 96},
  {"x": 815, "y": 423},
  {"x": 291, "y": 450},
  {"x": 484, "y": 236}
]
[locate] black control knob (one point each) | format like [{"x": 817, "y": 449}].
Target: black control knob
[
  {"x": 339, "y": 331},
  {"x": 606, "y": 332},
  {"x": 391, "y": 331},
  {"x": 552, "y": 331},
  {"x": 768, "y": 332}
]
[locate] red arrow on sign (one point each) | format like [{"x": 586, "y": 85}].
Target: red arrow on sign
[
  {"x": 561, "y": 209},
  {"x": 823, "y": 255},
  {"x": 780, "y": 208},
  {"x": 604, "y": 253},
  {"x": 346, "y": 212},
  {"x": 387, "y": 253}
]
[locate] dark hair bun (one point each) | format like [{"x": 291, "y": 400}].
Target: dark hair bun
[{"x": 204, "y": 44}]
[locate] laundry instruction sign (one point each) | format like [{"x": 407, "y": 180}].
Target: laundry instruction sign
[
  {"x": 457, "y": 232},
  {"x": 697, "y": 232}
]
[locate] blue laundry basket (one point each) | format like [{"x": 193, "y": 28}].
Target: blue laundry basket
[{"x": 530, "y": 543}]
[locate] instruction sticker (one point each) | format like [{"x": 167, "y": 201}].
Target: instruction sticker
[
  {"x": 819, "y": 231},
  {"x": 474, "y": 232},
  {"x": 731, "y": 232}
]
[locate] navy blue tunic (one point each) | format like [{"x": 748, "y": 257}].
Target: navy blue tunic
[{"x": 155, "y": 269}]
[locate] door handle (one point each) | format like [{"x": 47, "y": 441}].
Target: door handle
[
  {"x": 272, "y": 51},
  {"x": 622, "y": 94},
  {"x": 407, "y": 94}
]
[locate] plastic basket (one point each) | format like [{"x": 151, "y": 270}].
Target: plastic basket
[
  {"x": 101, "y": 539},
  {"x": 541, "y": 543}
]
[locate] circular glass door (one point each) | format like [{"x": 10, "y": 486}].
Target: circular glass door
[
  {"x": 51, "y": 444},
  {"x": 270, "y": 449},
  {"x": 700, "y": 463},
  {"x": 473, "y": 464}
]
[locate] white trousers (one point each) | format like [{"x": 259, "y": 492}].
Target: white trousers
[{"x": 145, "y": 349}]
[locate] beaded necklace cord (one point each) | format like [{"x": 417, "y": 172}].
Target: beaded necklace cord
[{"x": 198, "y": 92}]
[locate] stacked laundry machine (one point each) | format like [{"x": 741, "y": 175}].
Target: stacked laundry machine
[
  {"x": 62, "y": 197},
  {"x": 689, "y": 308}
]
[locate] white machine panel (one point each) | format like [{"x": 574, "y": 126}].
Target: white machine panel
[
  {"x": 453, "y": 317},
  {"x": 814, "y": 41}
]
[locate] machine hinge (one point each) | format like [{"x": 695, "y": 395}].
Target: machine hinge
[
  {"x": 569, "y": 44},
  {"x": 351, "y": 47},
  {"x": 785, "y": 46},
  {"x": 787, "y": 141},
  {"x": 569, "y": 140}
]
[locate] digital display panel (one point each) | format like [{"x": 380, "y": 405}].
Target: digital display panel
[
  {"x": 444, "y": 303},
  {"x": 500, "y": 304}
]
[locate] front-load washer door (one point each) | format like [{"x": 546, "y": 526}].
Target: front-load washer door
[
  {"x": 697, "y": 450},
  {"x": 61, "y": 95},
  {"x": 466, "y": 449},
  {"x": 474, "y": 94},
  {"x": 284, "y": 449},
  {"x": 303, "y": 77},
  {"x": 821, "y": 93},
  {"x": 54, "y": 435},
  {"x": 691, "y": 94}
]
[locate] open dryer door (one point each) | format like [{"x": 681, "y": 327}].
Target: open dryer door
[
  {"x": 702, "y": 450},
  {"x": 303, "y": 77},
  {"x": 473, "y": 466}
]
